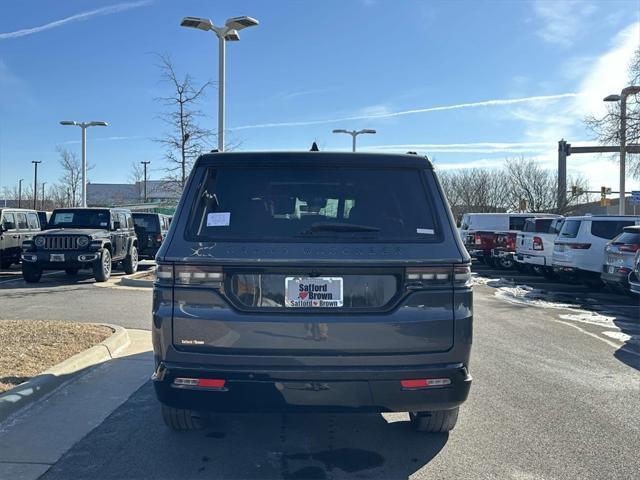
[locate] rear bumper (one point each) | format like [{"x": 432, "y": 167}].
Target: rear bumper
[
  {"x": 634, "y": 283},
  {"x": 531, "y": 259},
  {"x": 259, "y": 390},
  {"x": 497, "y": 253},
  {"x": 616, "y": 278}
]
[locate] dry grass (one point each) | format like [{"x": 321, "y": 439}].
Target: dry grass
[{"x": 27, "y": 347}]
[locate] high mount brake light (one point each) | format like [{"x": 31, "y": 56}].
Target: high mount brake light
[
  {"x": 425, "y": 276},
  {"x": 189, "y": 275}
]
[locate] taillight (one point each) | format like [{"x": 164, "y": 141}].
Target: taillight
[
  {"x": 159, "y": 238},
  {"x": 478, "y": 239},
  {"x": 189, "y": 275},
  {"x": 433, "y": 276},
  {"x": 578, "y": 246},
  {"x": 629, "y": 247},
  {"x": 417, "y": 384},
  {"x": 537, "y": 243},
  {"x": 216, "y": 383}
]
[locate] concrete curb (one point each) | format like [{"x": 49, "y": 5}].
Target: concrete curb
[
  {"x": 46, "y": 382},
  {"x": 132, "y": 281}
]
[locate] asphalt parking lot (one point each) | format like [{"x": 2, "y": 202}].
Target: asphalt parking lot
[
  {"x": 78, "y": 298},
  {"x": 554, "y": 396}
]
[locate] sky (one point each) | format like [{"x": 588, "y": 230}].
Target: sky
[{"x": 467, "y": 83}]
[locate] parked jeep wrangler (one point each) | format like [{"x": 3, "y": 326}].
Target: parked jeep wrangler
[
  {"x": 82, "y": 238},
  {"x": 312, "y": 281}
]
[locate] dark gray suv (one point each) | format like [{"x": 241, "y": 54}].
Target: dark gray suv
[{"x": 312, "y": 282}]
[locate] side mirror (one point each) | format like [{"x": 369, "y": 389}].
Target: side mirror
[
  {"x": 116, "y": 225},
  {"x": 2, "y": 229}
]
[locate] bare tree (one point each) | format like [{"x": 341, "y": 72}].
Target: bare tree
[
  {"x": 136, "y": 176},
  {"x": 519, "y": 183},
  {"x": 71, "y": 179},
  {"x": 607, "y": 128},
  {"x": 184, "y": 139}
]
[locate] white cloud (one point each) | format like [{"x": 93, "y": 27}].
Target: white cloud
[
  {"x": 546, "y": 123},
  {"x": 563, "y": 21},
  {"x": 120, "y": 7},
  {"x": 380, "y": 111}
]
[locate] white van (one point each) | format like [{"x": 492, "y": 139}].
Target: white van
[{"x": 579, "y": 247}]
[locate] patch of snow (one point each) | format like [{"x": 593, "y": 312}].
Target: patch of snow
[
  {"x": 590, "y": 317},
  {"x": 623, "y": 337}
]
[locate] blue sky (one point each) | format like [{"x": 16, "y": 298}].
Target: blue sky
[{"x": 311, "y": 67}]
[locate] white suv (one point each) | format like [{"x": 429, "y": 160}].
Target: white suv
[
  {"x": 579, "y": 247},
  {"x": 534, "y": 245}
]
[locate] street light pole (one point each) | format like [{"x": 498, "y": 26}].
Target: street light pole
[
  {"x": 20, "y": 193},
  {"x": 354, "y": 134},
  {"x": 42, "y": 200},
  {"x": 622, "y": 98},
  {"x": 35, "y": 181},
  {"x": 227, "y": 33},
  {"x": 145, "y": 179},
  {"x": 84, "y": 126}
]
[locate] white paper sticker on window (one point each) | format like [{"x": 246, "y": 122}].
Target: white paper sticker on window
[
  {"x": 66, "y": 217},
  {"x": 103, "y": 224},
  {"x": 425, "y": 231},
  {"x": 218, "y": 219}
]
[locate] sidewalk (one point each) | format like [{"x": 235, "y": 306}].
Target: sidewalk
[{"x": 37, "y": 437}]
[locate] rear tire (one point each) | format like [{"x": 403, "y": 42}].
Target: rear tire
[
  {"x": 71, "y": 271},
  {"x": 130, "y": 264},
  {"x": 434, "y": 422},
  {"x": 505, "y": 263},
  {"x": 180, "y": 420},
  {"x": 31, "y": 273},
  {"x": 102, "y": 267}
]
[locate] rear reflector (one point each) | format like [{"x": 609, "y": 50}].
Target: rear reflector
[
  {"x": 425, "y": 383},
  {"x": 200, "y": 382}
]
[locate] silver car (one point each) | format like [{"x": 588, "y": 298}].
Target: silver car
[{"x": 620, "y": 258}]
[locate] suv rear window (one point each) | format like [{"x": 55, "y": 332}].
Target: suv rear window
[
  {"x": 628, "y": 238},
  {"x": 570, "y": 228},
  {"x": 609, "y": 228},
  {"x": 312, "y": 204},
  {"x": 148, "y": 222}
]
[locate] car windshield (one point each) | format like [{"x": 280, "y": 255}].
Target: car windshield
[
  {"x": 280, "y": 204},
  {"x": 80, "y": 218}
]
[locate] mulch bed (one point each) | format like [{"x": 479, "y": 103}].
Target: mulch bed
[{"x": 28, "y": 347}]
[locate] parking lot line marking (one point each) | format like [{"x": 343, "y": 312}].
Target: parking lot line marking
[{"x": 20, "y": 277}]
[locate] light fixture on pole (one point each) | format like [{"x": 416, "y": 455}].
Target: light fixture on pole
[
  {"x": 354, "y": 134},
  {"x": 35, "y": 181},
  {"x": 227, "y": 33},
  {"x": 145, "y": 179},
  {"x": 622, "y": 98},
  {"x": 84, "y": 126},
  {"x": 20, "y": 192}
]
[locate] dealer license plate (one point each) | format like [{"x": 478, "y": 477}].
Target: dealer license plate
[
  {"x": 313, "y": 292},
  {"x": 56, "y": 257}
]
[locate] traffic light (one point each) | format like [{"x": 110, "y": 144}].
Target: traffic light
[{"x": 603, "y": 196}]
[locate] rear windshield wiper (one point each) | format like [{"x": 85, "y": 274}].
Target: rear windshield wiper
[{"x": 338, "y": 227}]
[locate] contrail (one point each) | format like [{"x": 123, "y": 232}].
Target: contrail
[
  {"x": 120, "y": 7},
  {"x": 485, "y": 103}
]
